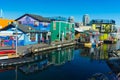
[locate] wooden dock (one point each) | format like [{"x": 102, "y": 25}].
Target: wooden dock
[
  {"x": 15, "y": 61},
  {"x": 32, "y": 49},
  {"x": 53, "y": 46},
  {"x": 24, "y": 50},
  {"x": 18, "y": 61}
]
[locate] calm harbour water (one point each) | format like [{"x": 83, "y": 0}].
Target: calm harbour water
[{"x": 67, "y": 64}]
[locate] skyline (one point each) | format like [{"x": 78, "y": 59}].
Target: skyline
[{"x": 103, "y": 9}]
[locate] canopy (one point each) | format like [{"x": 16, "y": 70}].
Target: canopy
[
  {"x": 7, "y": 33},
  {"x": 79, "y": 30}
]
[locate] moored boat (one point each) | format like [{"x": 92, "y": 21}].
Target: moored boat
[{"x": 7, "y": 54}]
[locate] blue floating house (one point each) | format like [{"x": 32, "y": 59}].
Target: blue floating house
[
  {"x": 37, "y": 22},
  {"x": 26, "y": 35}
]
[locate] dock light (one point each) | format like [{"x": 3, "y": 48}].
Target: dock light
[{"x": 16, "y": 26}]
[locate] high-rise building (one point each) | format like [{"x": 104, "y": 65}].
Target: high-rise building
[{"x": 86, "y": 20}]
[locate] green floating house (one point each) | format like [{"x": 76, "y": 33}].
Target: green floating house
[{"x": 61, "y": 30}]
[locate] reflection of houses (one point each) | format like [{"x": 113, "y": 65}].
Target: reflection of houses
[
  {"x": 62, "y": 56},
  {"x": 34, "y": 67},
  {"x": 96, "y": 53},
  {"x": 85, "y": 52},
  {"x": 61, "y": 30},
  {"x": 105, "y": 27},
  {"x": 46, "y": 59},
  {"x": 38, "y": 23},
  {"x": 25, "y": 36}
]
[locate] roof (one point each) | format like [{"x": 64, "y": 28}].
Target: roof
[
  {"x": 4, "y": 22},
  {"x": 79, "y": 30},
  {"x": 36, "y": 17},
  {"x": 6, "y": 33},
  {"x": 24, "y": 28},
  {"x": 57, "y": 18},
  {"x": 102, "y": 21}
]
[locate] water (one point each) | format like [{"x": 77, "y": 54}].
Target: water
[{"x": 67, "y": 64}]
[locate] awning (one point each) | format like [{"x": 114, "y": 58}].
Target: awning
[
  {"x": 8, "y": 33},
  {"x": 79, "y": 30}
]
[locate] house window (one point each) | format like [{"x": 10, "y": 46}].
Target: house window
[
  {"x": 36, "y": 23},
  {"x": 19, "y": 22},
  {"x": 67, "y": 28},
  {"x": 28, "y": 20},
  {"x": 45, "y": 24},
  {"x": 32, "y": 37},
  {"x": 54, "y": 26}
]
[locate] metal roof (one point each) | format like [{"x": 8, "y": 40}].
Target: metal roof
[{"x": 36, "y": 17}]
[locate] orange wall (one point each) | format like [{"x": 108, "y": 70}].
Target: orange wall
[{"x": 4, "y": 23}]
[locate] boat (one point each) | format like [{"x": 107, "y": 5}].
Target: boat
[
  {"x": 88, "y": 45},
  {"x": 7, "y": 54}
]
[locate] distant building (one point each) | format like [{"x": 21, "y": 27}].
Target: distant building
[
  {"x": 78, "y": 24},
  {"x": 71, "y": 19},
  {"x": 86, "y": 20},
  {"x": 103, "y": 26},
  {"x": 57, "y": 18}
]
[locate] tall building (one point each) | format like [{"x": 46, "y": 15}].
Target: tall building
[{"x": 86, "y": 20}]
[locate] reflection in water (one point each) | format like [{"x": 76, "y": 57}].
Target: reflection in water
[
  {"x": 7, "y": 69},
  {"x": 67, "y": 64},
  {"x": 114, "y": 65},
  {"x": 58, "y": 57},
  {"x": 62, "y": 56},
  {"x": 101, "y": 53},
  {"x": 96, "y": 53}
]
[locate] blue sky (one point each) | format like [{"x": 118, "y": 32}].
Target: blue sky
[{"x": 97, "y": 9}]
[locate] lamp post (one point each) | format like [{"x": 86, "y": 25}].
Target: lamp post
[{"x": 16, "y": 25}]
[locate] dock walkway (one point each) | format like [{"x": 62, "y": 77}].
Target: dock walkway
[
  {"x": 32, "y": 48},
  {"x": 23, "y": 50},
  {"x": 15, "y": 61}
]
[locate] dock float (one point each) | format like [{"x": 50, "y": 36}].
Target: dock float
[
  {"x": 16, "y": 61},
  {"x": 53, "y": 46}
]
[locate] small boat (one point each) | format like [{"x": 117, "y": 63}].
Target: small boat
[
  {"x": 88, "y": 45},
  {"x": 7, "y": 52}
]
